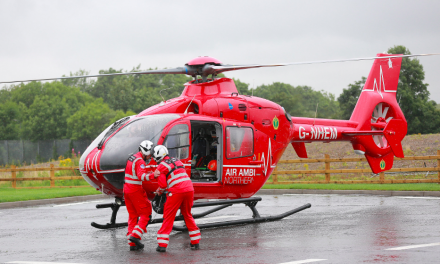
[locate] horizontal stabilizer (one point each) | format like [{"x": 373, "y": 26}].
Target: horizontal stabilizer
[
  {"x": 394, "y": 133},
  {"x": 381, "y": 163},
  {"x": 300, "y": 149},
  {"x": 362, "y": 133}
]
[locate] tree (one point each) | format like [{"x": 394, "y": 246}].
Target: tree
[
  {"x": 243, "y": 88},
  {"x": 9, "y": 121},
  {"x": 92, "y": 119},
  {"x": 89, "y": 121},
  {"x": 45, "y": 119},
  {"x": 85, "y": 84},
  {"x": 349, "y": 97},
  {"x": 300, "y": 100},
  {"x": 413, "y": 95}
]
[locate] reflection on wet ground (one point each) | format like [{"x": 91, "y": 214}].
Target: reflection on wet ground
[{"x": 336, "y": 229}]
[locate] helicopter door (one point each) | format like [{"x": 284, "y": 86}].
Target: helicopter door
[
  {"x": 206, "y": 151},
  {"x": 178, "y": 144},
  {"x": 239, "y": 151}
]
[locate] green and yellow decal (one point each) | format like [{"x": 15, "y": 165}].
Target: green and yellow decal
[
  {"x": 382, "y": 164},
  {"x": 275, "y": 123}
]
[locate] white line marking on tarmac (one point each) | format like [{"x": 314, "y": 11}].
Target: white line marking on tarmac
[
  {"x": 303, "y": 261},
  {"x": 58, "y": 205},
  {"x": 417, "y": 197},
  {"x": 39, "y": 262},
  {"x": 415, "y": 246},
  {"x": 307, "y": 194}
]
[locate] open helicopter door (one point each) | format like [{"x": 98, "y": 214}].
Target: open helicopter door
[{"x": 206, "y": 151}]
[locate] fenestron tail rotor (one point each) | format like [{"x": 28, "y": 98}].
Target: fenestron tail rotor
[
  {"x": 381, "y": 116},
  {"x": 205, "y": 66}
]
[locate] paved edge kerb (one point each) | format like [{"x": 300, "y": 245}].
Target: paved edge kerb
[
  {"x": 260, "y": 192},
  {"x": 73, "y": 199}
]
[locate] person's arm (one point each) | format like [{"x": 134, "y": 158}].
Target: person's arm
[
  {"x": 145, "y": 174},
  {"x": 161, "y": 179}
]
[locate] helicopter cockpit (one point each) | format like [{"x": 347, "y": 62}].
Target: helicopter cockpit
[{"x": 126, "y": 141}]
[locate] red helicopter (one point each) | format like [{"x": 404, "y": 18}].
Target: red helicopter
[{"x": 230, "y": 143}]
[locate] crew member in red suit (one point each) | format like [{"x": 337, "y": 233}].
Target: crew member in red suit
[
  {"x": 172, "y": 176},
  {"x": 136, "y": 201}
]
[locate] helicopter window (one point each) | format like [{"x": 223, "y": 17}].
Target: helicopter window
[
  {"x": 239, "y": 141},
  {"x": 177, "y": 141},
  {"x": 127, "y": 140},
  {"x": 210, "y": 89}
]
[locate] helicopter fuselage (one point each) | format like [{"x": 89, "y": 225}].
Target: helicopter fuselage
[{"x": 251, "y": 133}]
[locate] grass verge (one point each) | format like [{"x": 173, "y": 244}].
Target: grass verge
[
  {"x": 15, "y": 195},
  {"x": 381, "y": 187}
]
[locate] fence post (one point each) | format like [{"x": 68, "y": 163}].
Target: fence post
[
  {"x": 275, "y": 176},
  {"x": 327, "y": 167},
  {"x": 52, "y": 176},
  {"x": 14, "y": 175},
  {"x": 438, "y": 165},
  {"x": 382, "y": 177}
]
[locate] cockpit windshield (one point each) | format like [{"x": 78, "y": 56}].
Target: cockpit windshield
[{"x": 126, "y": 141}]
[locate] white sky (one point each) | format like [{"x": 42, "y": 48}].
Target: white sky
[{"x": 43, "y": 39}]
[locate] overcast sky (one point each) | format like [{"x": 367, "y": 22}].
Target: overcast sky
[{"x": 42, "y": 39}]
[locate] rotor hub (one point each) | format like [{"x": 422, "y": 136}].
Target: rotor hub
[{"x": 203, "y": 60}]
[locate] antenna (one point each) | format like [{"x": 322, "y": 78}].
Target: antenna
[
  {"x": 189, "y": 104},
  {"x": 160, "y": 93},
  {"x": 315, "y": 113}
]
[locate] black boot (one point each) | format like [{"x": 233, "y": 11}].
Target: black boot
[
  {"x": 137, "y": 241},
  {"x": 161, "y": 249},
  {"x": 195, "y": 246},
  {"x": 133, "y": 248}
]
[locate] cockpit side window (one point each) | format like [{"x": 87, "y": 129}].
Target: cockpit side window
[
  {"x": 177, "y": 141},
  {"x": 240, "y": 142},
  {"x": 126, "y": 141}
]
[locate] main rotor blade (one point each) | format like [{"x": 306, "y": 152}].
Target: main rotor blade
[
  {"x": 179, "y": 70},
  {"x": 224, "y": 68}
]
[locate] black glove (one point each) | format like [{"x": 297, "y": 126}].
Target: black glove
[{"x": 159, "y": 203}]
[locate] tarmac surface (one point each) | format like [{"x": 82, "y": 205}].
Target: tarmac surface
[{"x": 338, "y": 228}]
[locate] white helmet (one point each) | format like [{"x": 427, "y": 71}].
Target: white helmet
[
  {"x": 159, "y": 152},
  {"x": 146, "y": 147}
]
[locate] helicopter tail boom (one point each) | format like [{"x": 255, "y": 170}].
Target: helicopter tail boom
[{"x": 377, "y": 125}]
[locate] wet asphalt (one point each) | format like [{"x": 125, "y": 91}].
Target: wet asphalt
[{"x": 336, "y": 229}]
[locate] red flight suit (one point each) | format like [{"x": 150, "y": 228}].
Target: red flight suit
[
  {"x": 180, "y": 195},
  {"x": 136, "y": 201}
]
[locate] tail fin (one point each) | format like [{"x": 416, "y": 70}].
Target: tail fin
[{"x": 378, "y": 112}]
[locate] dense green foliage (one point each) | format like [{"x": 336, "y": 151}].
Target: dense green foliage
[
  {"x": 81, "y": 108},
  {"x": 422, "y": 114}
]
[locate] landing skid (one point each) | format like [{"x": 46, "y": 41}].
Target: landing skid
[
  {"x": 250, "y": 202},
  {"x": 115, "y": 207}
]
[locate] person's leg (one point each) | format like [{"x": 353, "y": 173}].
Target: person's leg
[
  {"x": 143, "y": 209},
  {"x": 132, "y": 218},
  {"x": 185, "y": 210},
  {"x": 171, "y": 206}
]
